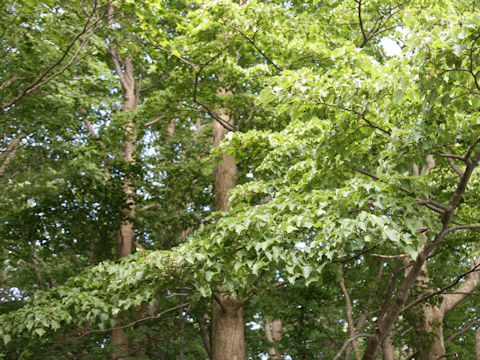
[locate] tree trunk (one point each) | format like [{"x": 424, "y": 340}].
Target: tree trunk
[
  {"x": 273, "y": 333},
  {"x": 9, "y": 153},
  {"x": 227, "y": 339},
  {"x": 433, "y": 334},
  {"x": 388, "y": 351},
  {"x": 434, "y": 315},
  {"x": 349, "y": 314},
  {"x": 225, "y": 172},
  {"x": 126, "y": 232}
]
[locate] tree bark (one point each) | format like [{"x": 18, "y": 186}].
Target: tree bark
[
  {"x": 273, "y": 333},
  {"x": 227, "y": 338},
  {"x": 126, "y": 233},
  {"x": 9, "y": 153},
  {"x": 434, "y": 315},
  {"x": 228, "y": 341},
  {"x": 388, "y": 350},
  {"x": 386, "y": 321},
  {"x": 349, "y": 313}
]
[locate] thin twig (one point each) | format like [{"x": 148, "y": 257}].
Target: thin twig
[{"x": 136, "y": 321}]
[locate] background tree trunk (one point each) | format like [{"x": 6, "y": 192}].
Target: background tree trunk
[
  {"x": 126, "y": 232},
  {"x": 388, "y": 350},
  {"x": 434, "y": 315},
  {"x": 273, "y": 333}
]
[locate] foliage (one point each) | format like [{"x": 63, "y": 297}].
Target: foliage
[{"x": 347, "y": 157}]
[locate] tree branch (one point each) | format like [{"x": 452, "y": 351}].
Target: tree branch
[
  {"x": 93, "y": 133},
  {"x": 136, "y": 321},
  {"x": 358, "y": 336},
  {"x": 42, "y": 78},
  {"x": 256, "y": 47},
  {"x": 431, "y": 294},
  {"x": 462, "y": 331}
]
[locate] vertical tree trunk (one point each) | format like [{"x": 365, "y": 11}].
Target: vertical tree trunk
[
  {"x": 227, "y": 339},
  {"x": 349, "y": 313},
  {"x": 433, "y": 333},
  {"x": 434, "y": 315},
  {"x": 273, "y": 333},
  {"x": 126, "y": 232},
  {"x": 7, "y": 156},
  {"x": 388, "y": 351}
]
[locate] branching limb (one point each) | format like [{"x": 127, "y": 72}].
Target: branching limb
[
  {"x": 197, "y": 70},
  {"x": 462, "y": 227},
  {"x": 93, "y": 133},
  {"x": 136, "y": 321},
  {"x": 442, "y": 290},
  {"x": 88, "y": 30},
  {"x": 356, "y": 337},
  {"x": 462, "y": 331},
  {"x": 156, "y": 82},
  {"x": 452, "y": 164},
  {"x": 360, "y": 22},
  {"x": 252, "y": 42},
  {"x": 350, "y": 258}
]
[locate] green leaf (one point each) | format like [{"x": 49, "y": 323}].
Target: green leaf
[
  {"x": 403, "y": 83},
  {"x": 398, "y": 95},
  {"x": 209, "y": 275},
  {"x": 307, "y": 270},
  {"x": 6, "y": 339},
  {"x": 39, "y": 331}
]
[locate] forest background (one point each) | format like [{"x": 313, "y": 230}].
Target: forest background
[{"x": 239, "y": 180}]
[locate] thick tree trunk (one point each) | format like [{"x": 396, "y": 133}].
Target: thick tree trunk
[
  {"x": 227, "y": 338},
  {"x": 228, "y": 341},
  {"x": 433, "y": 334}
]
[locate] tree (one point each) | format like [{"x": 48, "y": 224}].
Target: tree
[{"x": 354, "y": 213}]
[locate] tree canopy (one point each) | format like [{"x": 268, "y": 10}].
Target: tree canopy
[{"x": 272, "y": 171}]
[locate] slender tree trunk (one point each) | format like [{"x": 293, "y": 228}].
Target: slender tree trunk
[
  {"x": 349, "y": 313},
  {"x": 126, "y": 232},
  {"x": 205, "y": 333},
  {"x": 182, "y": 330},
  {"x": 388, "y": 351},
  {"x": 273, "y": 333},
  {"x": 227, "y": 338},
  {"x": 9, "y": 153}
]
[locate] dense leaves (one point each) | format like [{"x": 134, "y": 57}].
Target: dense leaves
[{"x": 356, "y": 207}]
